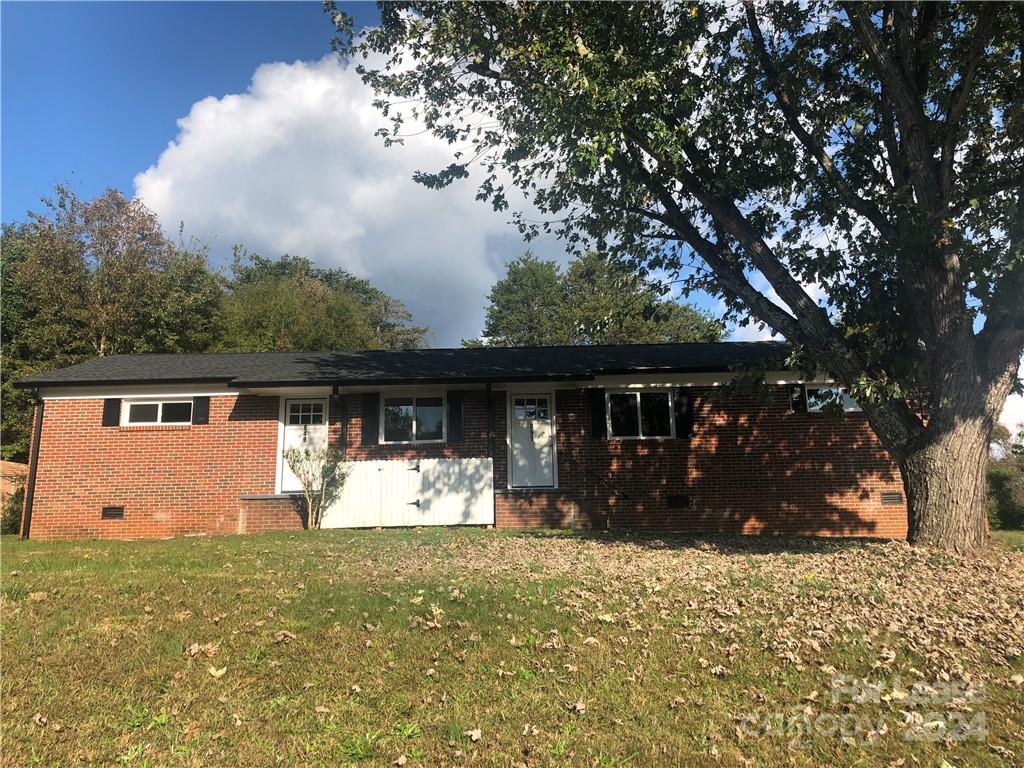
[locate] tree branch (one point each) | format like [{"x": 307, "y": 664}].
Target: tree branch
[
  {"x": 928, "y": 17},
  {"x": 961, "y": 96},
  {"x": 909, "y": 111},
  {"x": 1000, "y": 342},
  {"x": 726, "y": 266},
  {"x": 893, "y": 419},
  {"x": 865, "y": 208}
]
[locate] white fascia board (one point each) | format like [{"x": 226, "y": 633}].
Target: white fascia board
[
  {"x": 135, "y": 390},
  {"x": 640, "y": 380},
  {"x": 319, "y": 390}
]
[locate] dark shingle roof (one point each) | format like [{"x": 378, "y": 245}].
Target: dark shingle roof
[{"x": 254, "y": 369}]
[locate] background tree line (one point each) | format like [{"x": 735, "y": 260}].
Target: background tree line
[
  {"x": 91, "y": 278},
  {"x": 88, "y": 278},
  {"x": 596, "y": 300}
]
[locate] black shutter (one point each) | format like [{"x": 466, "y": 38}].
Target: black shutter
[
  {"x": 200, "y": 410},
  {"x": 456, "y": 431},
  {"x": 111, "y": 411},
  {"x": 798, "y": 398},
  {"x": 598, "y": 422},
  {"x": 371, "y": 418},
  {"x": 683, "y": 403},
  {"x": 339, "y": 416}
]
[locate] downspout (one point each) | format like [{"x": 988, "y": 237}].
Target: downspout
[
  {"x": 490, "y": 421},
  {"x": 33, "y": 465},
  {"x": 341, "y": 413}
]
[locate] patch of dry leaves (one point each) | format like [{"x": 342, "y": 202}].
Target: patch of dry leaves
[{"x": 803, "y": 595}]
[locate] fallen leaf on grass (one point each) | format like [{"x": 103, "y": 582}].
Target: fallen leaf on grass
[
  {"x": 39, "y": 720},
  {"x": 580, "y": 707},
  {"x": 217, "y": 673},
  {"x": 284, "y": 636},
  {"x": 206, "y": 649},
  {"x": 474, "y": 735}
]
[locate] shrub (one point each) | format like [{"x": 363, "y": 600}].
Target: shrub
[
  {"x": 10, "y": 519},
  {"x": 1006, "y": 493}
]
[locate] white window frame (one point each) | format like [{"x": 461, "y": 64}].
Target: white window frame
[
  {"x": 127, "y": 404},
  {"x": 300, "y": 402},
  {"x": 414, "y": 396},
  {"x": 808, "y": 387},
  {"x": 640, "y": 423}
]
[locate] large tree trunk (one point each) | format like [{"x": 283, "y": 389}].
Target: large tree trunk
[{"x": 946, "y": 487}]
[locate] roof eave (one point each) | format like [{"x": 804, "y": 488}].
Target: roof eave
[
  {"x": 405, "y": 381},
  {"x": 38, "y": 384}
]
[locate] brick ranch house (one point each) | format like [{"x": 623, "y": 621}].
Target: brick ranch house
[{"x": 625, "y": 437}]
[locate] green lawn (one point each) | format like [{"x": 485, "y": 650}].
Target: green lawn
[
  {"x": 1013, "y": 539},
  {"x": 470, "y": 647}
]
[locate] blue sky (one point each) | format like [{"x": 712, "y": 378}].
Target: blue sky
[
  {"x": 92, "y": 91},
  {"x": 236, "y": 122}
]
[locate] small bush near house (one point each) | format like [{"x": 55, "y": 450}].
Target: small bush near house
[
  {"x": 10, "y": 518},
  {"x": 322, "y": 473}
]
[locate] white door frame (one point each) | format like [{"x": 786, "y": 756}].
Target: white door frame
[
  {"x": 282, "y": 416},
  {"x": 510, "y": 395}
]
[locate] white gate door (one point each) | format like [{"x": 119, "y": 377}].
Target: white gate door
[
  {"x": 414, "y": 492},
  {"x": 532, "y": 436},
  {"x": 305, "y": 426},
  {"x": 456, "y": 492}
]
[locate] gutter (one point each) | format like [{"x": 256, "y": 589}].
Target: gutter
[{"x": 33, "y": 466}]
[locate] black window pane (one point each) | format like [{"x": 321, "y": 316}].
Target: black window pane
[
  {"x": 623, "y": 414},
  {"x": 177, "y": 413},
  {"x": 398, "y": 414},
  {"x": 655, "y": 414},
  {"x": 429, "y": 418},
  {"x": 316, "y": 413},
  {"x": 140, "y": 413}
]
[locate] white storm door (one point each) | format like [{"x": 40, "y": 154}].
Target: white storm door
[
  {"x": 305, "y": 426},
  {"x": 532, "y": 436}
]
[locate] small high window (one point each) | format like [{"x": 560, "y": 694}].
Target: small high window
[
  {"x": 640, "y": 414},
  {"x": 820, "y": 397},
  {"x": 138, "y": 413},
  {"x": 413, "y": 419}
]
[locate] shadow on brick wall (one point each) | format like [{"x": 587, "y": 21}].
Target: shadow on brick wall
[{"x": 751, "y": 466}]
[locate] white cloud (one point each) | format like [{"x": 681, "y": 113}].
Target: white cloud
[
  {"x": 1013, "y": 414},
  {"x": 292, "y": 165}
]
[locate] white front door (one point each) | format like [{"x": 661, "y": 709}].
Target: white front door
[
  {"x": 532, "y": 434},
  {"x": 305, "y": 426}
]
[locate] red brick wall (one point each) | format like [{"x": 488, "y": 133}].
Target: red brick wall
[
  {"x": 171, "y": 480},
  {"x": 258, "y": 514},
  {"x": 752, "y": 466}
]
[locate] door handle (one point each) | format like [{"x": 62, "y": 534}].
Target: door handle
[
  {"x": 414, "y": 504},
  {"x": 415, "y": 469}
]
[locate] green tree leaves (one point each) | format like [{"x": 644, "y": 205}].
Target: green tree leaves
[
  {"x": 596, "y": 301},
  {"x": 99, "y": 277},
  {"x": 289, "y": 304}
]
